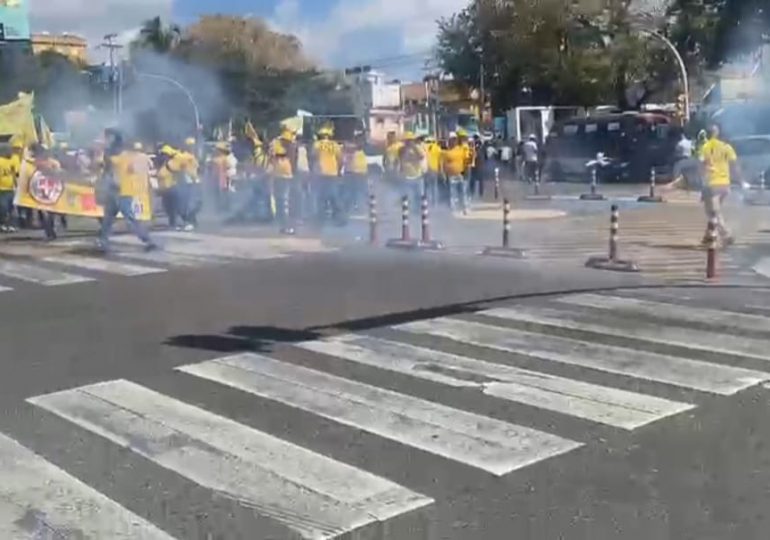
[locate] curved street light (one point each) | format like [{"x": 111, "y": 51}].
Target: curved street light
[
  {"x": 682, "y": 67},
  {"x": 181, "y": 87}
]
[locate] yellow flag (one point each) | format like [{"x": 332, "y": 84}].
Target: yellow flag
[
  {"x": 251, "y": 133},
  {"x": 16, "y": 119},
  {"x": 46, "y": 135}
]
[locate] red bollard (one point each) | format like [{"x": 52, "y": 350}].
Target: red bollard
[
  {"x": 711, "y": 253},
  {"x": 506, "y": 250},
  {"x": 372, "y": 219},
  {"x": 612, "y": 262}
]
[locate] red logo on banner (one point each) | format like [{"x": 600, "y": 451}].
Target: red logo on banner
[{"x": 45, "y": 189}]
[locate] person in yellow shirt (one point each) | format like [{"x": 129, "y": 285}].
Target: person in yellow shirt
[
  {"x": 453, "y": 165},
  {"x": 189, "y": 183},
  {"x": 411, "y": 159},
  {"x": 283, "y": 162},
  {"x": 167, "y": 186},
  {"x": 327, "y": 163},
  {"x": 390, "y": 159},
  {"x": 433, "y": 174},
  {"x": 356, "y": 173},
  {"x": 7, "y": 188},
  {"x": 718, "y": 161},
  {"x": 125, "y": 176}
]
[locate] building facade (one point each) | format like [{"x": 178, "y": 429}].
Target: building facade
[{"x": 73, "y": 47}]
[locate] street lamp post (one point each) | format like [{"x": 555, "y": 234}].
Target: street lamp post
[
  {"x": 181, "y": 87},
  {"x": 682, "y": 67}
]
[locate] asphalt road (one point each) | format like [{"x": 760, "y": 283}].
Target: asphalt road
[{"x": 387, "y": 395}]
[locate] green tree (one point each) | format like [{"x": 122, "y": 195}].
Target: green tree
[{"x": 157, "y": 36}]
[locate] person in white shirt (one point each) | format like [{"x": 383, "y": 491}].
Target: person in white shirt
[{"x": 530, "y": 156}]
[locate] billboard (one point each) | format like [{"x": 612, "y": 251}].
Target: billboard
[{"x": 14, "y": 20}]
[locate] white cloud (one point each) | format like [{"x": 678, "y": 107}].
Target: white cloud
[
  {"x": 94, "y": 18},
  {"x": 345, "y": 28}
]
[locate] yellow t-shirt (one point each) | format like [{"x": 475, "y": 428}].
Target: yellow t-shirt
[
  {"x": 392, "y": 152},
  {"x": 434, "y": 157},
  {"x": 453, "y": 160},
  {"x": 357, "y": 163},
  {"x": 166, "y": 178},
  {"x": 327, "y": 155},
  {"x": 16, "y": 163},
  {"x": 280, "y": 162},
  {"x": 7, "y": 174},
  {"x": 130, "y": 172},
  {"x": 717, "y": 157},
  {"x": 468, "y": 155},
  {"x": 411, "y": 158}
]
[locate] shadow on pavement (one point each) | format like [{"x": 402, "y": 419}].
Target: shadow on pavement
[{"x": 242, "y": 339}]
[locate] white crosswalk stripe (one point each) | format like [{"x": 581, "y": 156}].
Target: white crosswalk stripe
[
  {"x": 619, "y": 408},
  {"x": 39, "y": 275},
  {"x": 491, "y": 445},
  {"x": 448, "y": 368},
  {"x": 309, "y": 493},
  {"x": 108, "y": 266},
  {"x": 317, "y": 497},
  {"x": 688, "y": 338},
  {"x": 633, "y": 306},
  {"x": 38, "y": 500}
]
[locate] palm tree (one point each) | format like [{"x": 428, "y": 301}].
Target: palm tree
[{"x": 159, "y": 37}]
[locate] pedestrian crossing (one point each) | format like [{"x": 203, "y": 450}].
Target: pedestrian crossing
[
  {"x": 513, "y": 356},
  {"x": 664, "y": 244},
  {"x": 71, "y": 262}
]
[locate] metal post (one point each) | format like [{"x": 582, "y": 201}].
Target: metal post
[
  {"x": 614, "y": 229},
  {"x": 762, "y": 180},
  {"x": 405, "y": 218},
  {"x": 652, "y": 183},
  {"x": 506, "y": 224},
  {"x": 537, "y": 182},
  {"x": 497, "y": 183},
  {"x": 372, "y": 219},
  {"x": 285, "y": 204},
  {"x": 594, "y": 177},
  {"x": 711, "y": 255},
  {"x": 425, "y": 219}
]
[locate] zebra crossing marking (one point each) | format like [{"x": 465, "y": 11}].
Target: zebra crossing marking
[
  {"x": 687, "y": 338},
  {"x": 108, "y": 266},
  {"x": 485, "y": 443},
  {"x": 314, "y": 495},
  {"x": 681, "y": 372},
  {"x": 600, "y": 404},
  {"x": 39, "y": 275},
  {"x": 39, "y": 500},
  {"x": 633, "y": 306}
]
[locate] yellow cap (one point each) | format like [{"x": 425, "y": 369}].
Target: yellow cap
[
  {"x": 462, "y": 133},
  {"x": 17, "y": 143},
  {"x": 409, "y": 136},
  {"x": 189, "y": 141},
  {"x": 138, "y": 146},
  {"x": 167, "y": 150},
  {"x": 222, "y": 146},
  {"x": 325, "y": 131}
]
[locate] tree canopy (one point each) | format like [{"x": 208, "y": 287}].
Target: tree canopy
[{"x": 590, "y": 52}]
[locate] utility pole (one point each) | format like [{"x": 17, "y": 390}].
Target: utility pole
[{"x": 116, "y": 74}]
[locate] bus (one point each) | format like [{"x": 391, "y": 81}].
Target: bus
[{"x": 633, "y": 143}]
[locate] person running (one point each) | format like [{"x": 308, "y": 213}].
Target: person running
[
  {"x": 718, "y": 160},
  {"x": 123, "y": 183}
]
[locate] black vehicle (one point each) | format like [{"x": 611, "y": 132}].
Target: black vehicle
[{"x": 632, "y": 142}]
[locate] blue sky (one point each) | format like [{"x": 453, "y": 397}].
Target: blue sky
[{"x": 336, "y": 33}]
